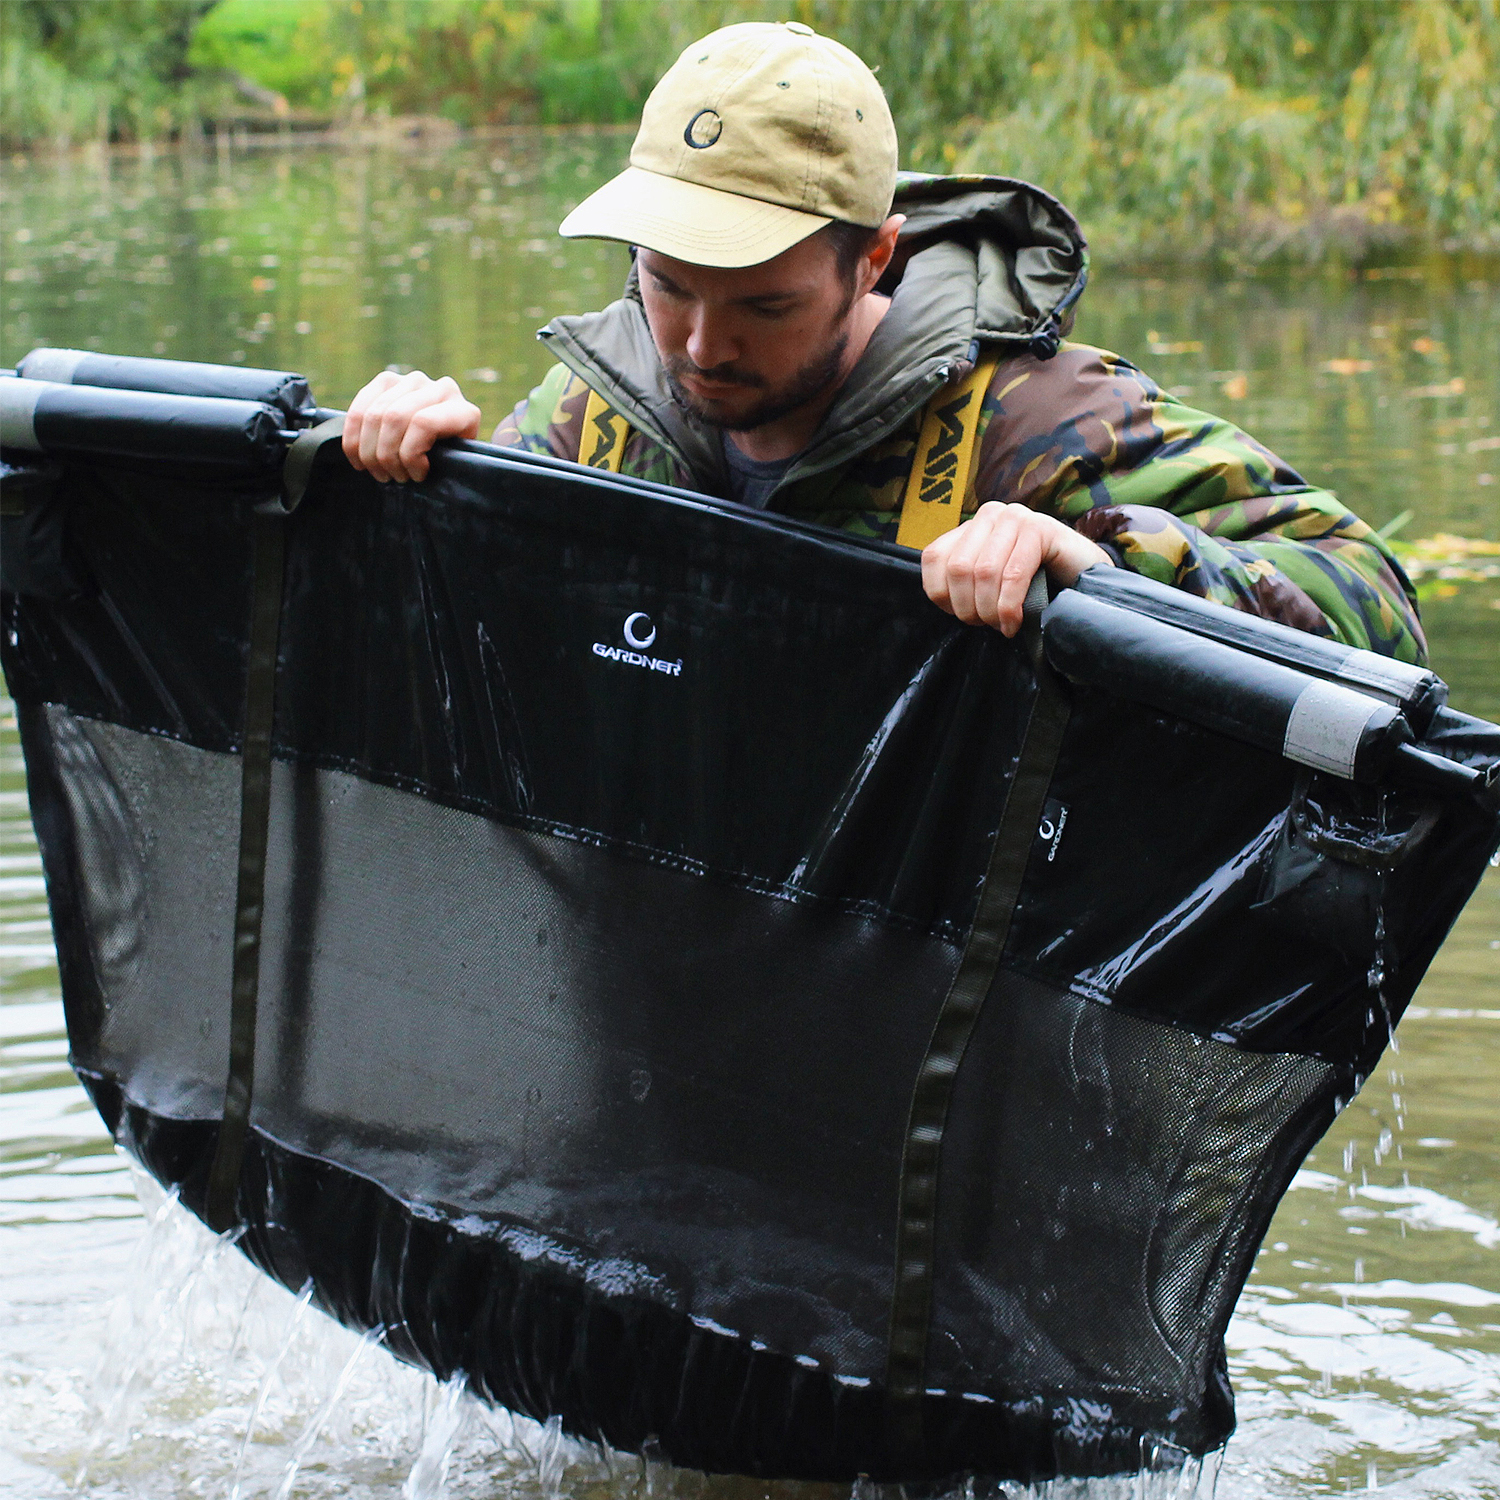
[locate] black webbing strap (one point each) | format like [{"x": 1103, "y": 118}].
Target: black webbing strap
[
  {"x": 297, "y": 469},
  {"x": 268, "y": 570},
  {"x": 916, "y": 1225},
  {"x": 269, "y": 533}
]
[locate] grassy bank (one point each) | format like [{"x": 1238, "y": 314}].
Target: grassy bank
[{"x": 1234, "y": 130}]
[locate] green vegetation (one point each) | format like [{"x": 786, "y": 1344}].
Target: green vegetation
[
  {"x": 477, "y": 62},
  {"x": 74, "y": 70},
  {"x": 1234, "y": 129}
]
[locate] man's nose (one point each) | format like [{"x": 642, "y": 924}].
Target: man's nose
[{"x": 709, "y": 343}]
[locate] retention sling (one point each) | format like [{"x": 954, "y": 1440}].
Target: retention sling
[{"x": 639, "y": 953}]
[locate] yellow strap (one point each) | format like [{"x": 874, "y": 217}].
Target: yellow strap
[
  {"x": 943, "y": 466},
  {"x": 604, "y": 434}
]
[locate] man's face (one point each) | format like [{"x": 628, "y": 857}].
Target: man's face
[{"x": 743, "y": 347}]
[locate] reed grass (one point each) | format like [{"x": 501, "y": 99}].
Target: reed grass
[{"x": 1241, "y": 131}]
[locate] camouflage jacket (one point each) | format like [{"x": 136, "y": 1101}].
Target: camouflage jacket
[{"x": 1080, "y": 433}]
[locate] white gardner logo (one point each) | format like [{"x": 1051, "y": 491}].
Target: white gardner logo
[
  {"x": 1050, "y": 829},
  {"x": 640, "y": 635}
]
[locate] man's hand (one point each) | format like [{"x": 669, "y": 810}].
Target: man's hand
[
  {"x": 980, "y": 571},
  {"x": 396, "y": 419}
]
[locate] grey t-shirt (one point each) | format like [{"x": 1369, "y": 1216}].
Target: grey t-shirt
[{"x": 751, "y": 480}]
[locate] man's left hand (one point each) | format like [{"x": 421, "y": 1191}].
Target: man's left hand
[{"x": 980, "y": 571}]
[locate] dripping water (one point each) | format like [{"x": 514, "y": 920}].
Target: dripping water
[
  {"x": 314, "y": 1429},
  {"x": 444, "y": 1416},
  {"x": 1376, "y": 976},
  {"x": 293, "y": 1326}
]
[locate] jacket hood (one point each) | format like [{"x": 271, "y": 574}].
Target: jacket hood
[{"x": 980, "y": 261}]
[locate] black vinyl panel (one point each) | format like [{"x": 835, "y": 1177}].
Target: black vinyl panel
[
  {"x": 443, "y": 640},
  {"x": 1216, "y": 887}
]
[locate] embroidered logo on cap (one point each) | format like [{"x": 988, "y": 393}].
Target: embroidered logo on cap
[{"x": 703, "y": 129}]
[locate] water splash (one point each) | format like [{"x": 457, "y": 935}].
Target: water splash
[
  {"x": 446, "y": 1418},
  {"x": 293, "y": 1325},
  {"x": 170, "y": 1264},
  {"x": 551, "y": 1459},
  {"x": 314, "y": 1429},
  {"x": 241, "y": 1388}
]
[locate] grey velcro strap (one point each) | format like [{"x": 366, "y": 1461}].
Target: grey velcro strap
[
  {"x": 18, "y": 399},
  {"x": 1326, "y": 726},
  {"x": 57, "y": 365}
]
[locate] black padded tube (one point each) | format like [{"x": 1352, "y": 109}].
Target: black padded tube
[
  {"x": 1416, "y": 691},
  {"x": 249, "y": 905},
  {"x": 916, "y": 1226},
  {"x": 172, "y": 377},
  {"x": 43, "y": 417},
  {"x": 1314, "y": 721}
]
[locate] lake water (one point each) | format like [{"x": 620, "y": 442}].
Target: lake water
[{"x": 139, "y": 1358}]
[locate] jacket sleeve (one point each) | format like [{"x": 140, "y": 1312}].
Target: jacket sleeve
[
  {"x": 1189, "y": 499},
  {"x": 550, "y": 419}
]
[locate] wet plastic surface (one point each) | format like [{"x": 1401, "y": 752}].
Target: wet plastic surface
[{"x": 623, "y": 846}]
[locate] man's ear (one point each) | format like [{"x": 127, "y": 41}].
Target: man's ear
[{"x": 878, "y": 257}]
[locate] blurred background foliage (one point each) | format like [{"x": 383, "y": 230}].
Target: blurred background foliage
[
  {"x": 1238, "y": 130},
  {"x": 75, "y": 70}
]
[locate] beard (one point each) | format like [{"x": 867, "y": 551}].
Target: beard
[{"x": 810, "y": 382}]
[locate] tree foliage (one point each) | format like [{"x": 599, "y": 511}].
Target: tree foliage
[
  {"x": 100, "y": 69},
  {"x": 1240, "y": 128}
]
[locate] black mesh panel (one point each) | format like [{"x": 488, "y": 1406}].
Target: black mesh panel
[
  {"x": 625, "y": 1064},
  {"x": 1104, "y": 1178}
]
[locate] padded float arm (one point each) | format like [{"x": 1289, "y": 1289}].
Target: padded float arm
[
  {"x": 1310, "y": 719},
  {"x": 1416, "y": 691},
  {"x": 170, "y": 377},
  {"x": 38, "y": 416}
]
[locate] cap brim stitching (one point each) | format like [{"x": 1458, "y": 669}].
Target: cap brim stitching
[
  {"x": 670, "y": 231},
  {"x": 643, "y": 218}
]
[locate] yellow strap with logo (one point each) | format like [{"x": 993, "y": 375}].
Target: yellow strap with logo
[
  {"x": 604, "y": 434},
  {"x": 943, "y": 466}
]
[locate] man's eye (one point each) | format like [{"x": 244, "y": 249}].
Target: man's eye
[{"x": 771, "y": 310}]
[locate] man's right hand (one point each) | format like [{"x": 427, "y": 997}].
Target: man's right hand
[{"x": 394, "y": 421}]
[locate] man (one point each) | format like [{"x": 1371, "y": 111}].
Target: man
[{"x": 797, "y": 318}]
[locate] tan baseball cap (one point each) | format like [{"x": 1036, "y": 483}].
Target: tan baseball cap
[{"x": 754, "y": 139}]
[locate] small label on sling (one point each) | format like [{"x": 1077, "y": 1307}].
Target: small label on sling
[{"x": 1050, "y": 830}]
